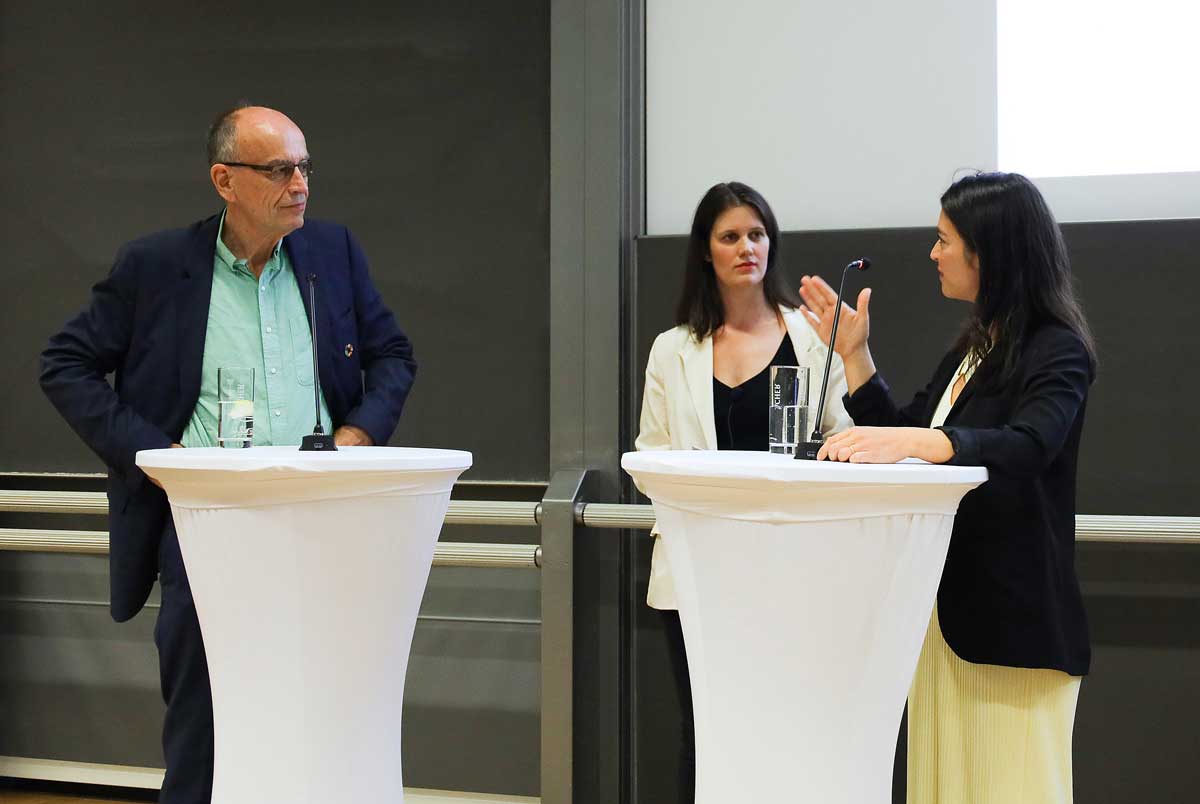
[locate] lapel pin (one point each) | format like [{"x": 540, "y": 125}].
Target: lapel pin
[{"x": 349, "y": 349}]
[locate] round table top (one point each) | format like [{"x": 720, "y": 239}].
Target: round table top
[
  {"x": 345, "y": 459},
  {"x": 765, "y": 466}
]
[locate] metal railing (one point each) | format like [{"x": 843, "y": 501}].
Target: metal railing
[
  {"x": 446, "y": 554},
  {"x": 1088, "y": 527},
  {"x": 461, "y": 512}
]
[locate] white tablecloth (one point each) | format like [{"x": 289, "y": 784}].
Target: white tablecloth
[
  {"x": 307, "y": 569},
  {"x": 804, "y": 592}
]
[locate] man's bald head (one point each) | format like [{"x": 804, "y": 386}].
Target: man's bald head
[
  {"x": 257, "y": 128},
  {"x": 230, "y": 127}
]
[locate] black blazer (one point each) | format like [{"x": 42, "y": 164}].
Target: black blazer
[
  {"x": 147, "y": 321},
  {"x": 1009, "y": 594}
]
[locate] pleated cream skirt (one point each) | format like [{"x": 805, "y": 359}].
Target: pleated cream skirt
[{"x": 986, "y": 734}]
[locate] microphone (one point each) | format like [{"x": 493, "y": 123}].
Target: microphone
[
  {"x": 807, "y": 450},
  {"x": 318, "y": 440}
]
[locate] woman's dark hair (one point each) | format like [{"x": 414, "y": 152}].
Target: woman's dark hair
[
  {"x": 700, "y": 304},
  {"x": 1024, "y": 271}
]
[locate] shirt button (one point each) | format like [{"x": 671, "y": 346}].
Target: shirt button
[
  {"x": 268, "y": 330},
  {"x": 273, "y": 370},
  {"x": 277, "y": 413}
]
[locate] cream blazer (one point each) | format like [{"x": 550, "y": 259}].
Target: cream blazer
[{"x": 677, "y": 408}]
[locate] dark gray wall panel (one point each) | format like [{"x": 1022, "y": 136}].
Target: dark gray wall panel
[
  {"x": 429, "y": 128},
  {"x": 76, "y": 686},
  {"x": 1135, "y": 728},
  {"x": 1137, "y": 286}
]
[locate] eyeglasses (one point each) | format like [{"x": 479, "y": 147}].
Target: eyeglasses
[{"x": 278, "y": 172}]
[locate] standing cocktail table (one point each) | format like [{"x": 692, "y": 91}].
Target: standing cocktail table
[
  {"x": 307, "y": 570},
  {"x": 804, "y": 592}
]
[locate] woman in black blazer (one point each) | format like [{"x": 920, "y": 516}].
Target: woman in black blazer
[{"x": 993, "y": 701}]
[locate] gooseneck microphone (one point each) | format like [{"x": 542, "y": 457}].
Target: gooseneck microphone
[
  {"x": 319, "y": 440},
  {"x": 807, "y": 450}
]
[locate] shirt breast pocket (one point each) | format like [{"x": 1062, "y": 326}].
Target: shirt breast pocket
[{"x": 302, "y": 353}]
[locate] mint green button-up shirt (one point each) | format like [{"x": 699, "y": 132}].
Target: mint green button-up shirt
[{"x": 260, "y": 324}]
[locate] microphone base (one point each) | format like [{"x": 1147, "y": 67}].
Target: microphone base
[
  {"x": 807, "y": 450},
  {"x": 318, "y": 442}
]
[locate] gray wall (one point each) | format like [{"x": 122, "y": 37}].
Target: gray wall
[
  {"x": 1141, "y": 328},
  {"x": 429, "y": 127}
]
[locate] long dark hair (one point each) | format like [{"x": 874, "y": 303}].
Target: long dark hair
[
  {"x": 700, "y": 305},
  {"x": 1024, "y": 271}
]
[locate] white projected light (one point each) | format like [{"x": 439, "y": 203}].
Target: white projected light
[{"x": 1097, "y": 87}]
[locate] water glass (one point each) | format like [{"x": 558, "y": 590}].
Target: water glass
[
  {"x": 235, "y": 407},
  {"x": 788, "y": 412}
]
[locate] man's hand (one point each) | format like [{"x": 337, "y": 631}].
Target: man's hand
[
  {"x": 155, "y": 482},
  {"x": 350, "y": 436}
]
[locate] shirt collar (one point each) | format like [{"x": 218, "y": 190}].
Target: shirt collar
[{"x": 227, "y": 258}]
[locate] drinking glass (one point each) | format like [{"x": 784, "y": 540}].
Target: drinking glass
[
  {"x": 235, "y": 407},
  {"x": 788, "y": 402}
]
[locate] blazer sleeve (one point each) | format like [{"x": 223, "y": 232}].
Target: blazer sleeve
[
  {"x": 1053, "y": 389},
  {"x": 654, "y": 431},
  {"x": 387, "y": 355},
  {"x": 872, "y": 404},
  {"x": 76, "y": 362}
]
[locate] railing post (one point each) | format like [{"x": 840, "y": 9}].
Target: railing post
[{"x": 558, "y": 635}]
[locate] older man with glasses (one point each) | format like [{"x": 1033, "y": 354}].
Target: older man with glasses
[{"x": 177, "y": 305}]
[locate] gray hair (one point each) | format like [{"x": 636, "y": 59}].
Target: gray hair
[{"x": 222, "y": 134}]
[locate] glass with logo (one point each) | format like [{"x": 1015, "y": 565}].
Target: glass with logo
[
  {"x": 235, "y": 407},
  {"x": 788, "y": 411}
]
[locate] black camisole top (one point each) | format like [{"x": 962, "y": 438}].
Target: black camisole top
[{"x": 740, "y": 413}]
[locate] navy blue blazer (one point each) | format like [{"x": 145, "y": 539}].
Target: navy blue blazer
[
  {"x": 1009, "y": 594},
  {"x": 146, "y": 323}
]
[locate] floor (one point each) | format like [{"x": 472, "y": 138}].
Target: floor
[
  {"x": 58, "y": 794},
  {"x": 18, "y": 797},
  {"x": 21, "y": 792}
]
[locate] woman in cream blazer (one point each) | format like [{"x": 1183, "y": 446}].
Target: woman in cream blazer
[
  {"x": 737, "y": 315},
  {"x": 677, "y": 407}
]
